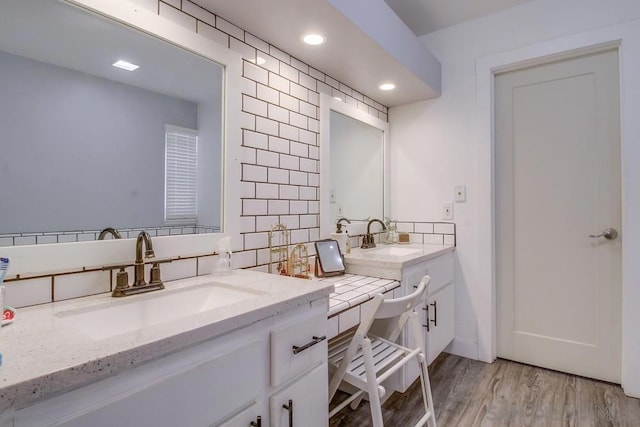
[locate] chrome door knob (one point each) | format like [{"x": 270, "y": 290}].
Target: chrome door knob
[{"x": 609, "y": 234}]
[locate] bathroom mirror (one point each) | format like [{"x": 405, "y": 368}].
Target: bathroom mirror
[
  {"x": 87, "y": 145},
  {"x": 354, "y": 165}
]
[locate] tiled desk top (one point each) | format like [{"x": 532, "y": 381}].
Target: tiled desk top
[{"x": 352, "y": 290}]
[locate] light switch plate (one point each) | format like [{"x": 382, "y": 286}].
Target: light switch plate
[
  {"x": 461, "y": 193},
  {"x": 447, "y": 211}
]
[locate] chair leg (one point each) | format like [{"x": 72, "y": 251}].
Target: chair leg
[
  {"x": 427, "y": 397},
  {"x": 372, "y": 384}
]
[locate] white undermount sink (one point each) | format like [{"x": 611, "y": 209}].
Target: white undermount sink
[
  {"x": 391, "y": 251},
  {"x": 136, "y": 312}
]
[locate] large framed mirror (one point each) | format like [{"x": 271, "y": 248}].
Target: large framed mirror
[
  {"x": 354, "y": 175},
  {"x": 89, "y": 145}
]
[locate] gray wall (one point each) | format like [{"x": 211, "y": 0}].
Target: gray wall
[{"x": 80, "y": 152}]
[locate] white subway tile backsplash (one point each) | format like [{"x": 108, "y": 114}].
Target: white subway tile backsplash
[
  {"x": 308, "y": 137},
  {"x": 175, "y": 3},
  {"x": 256, "y": 240},
  {"x": 6, "y": 241},
  {"x": 269, "y": 62},
  {"x": 318, "y": 75},
  {"x": 267, "y": 191},
  {"x": 289, "y": 102},
  {"x": 247, "y": 121},
  {"x": 298, "y": 149},
  {"x": 449, "y": 239},
  {"x": 308, "y": 193},
  {"x": 268, "y": 158},
  {"x": 256, "y": 42},
  {"x": 299, "y": 65},
  {"x": 299, "y": 207},
  {"x": 278, "y": 83},
  {"x": 255, "y": 73},
  {"x": 290, "y": 221},
  {"x": 314, "y": 98},
  {"x": 278, "y": 113},
  {"x": 255, "y": 140},
  {"x": 254, "y": 173},
  {"x": 434, "y": 239},
  {"x": 254, "y": 207},
  {"x": 267, "y": 126},
  {"x": 313, "y": 125},
  {"x": 46, "y": 239},
  {"x": 198, "y": 12},
  {"x": 299, "y": 236},
  {"x": 213, "y": 34},
  {"x": 243, "y": 259},
  {"x": 278, "y": 176},
  {"x": 308, "y": 81},
  {"x": 249, "y": 87},
  {"x": 289, "y": 72},
  {"x": 248, "y": 155},
  {"x": 176, "y": 16},
  {"x": 254, "y": 106},
  {"x": 314, "y": 207},
  {"x": 443, "y": 228},
  {"x": 282, "y": 56},
  {"x": 424, "y": 227},
  {"x": 289, "y": 132},
  {"x": 278, "y": 207},
  {"x": 288, "y": 192},
  {"x": 308, "y": 221},
  {"x": 298, "y": 120},
  {"x": 23, "y": 293},
  {"x": 308, "y": 109},
  {"x": 314, "y": 179},
  {"x": 349, "y": 100},
  {"x": 77, "y": 285},
  {"x": 298, "y": 178},
  {"x": 25, "y": 240},
  {"x": 314, "y": 234},
  {"x": 278, "y": 145},
  {"x": 332, "y": 82},
  {"x": 289, "y": 162},
  {"x": 263, "y": 256},
  {"x": 308, "y": 165},
  {"x": 248, "y": 190},
  {"x": 248, "y": 224},
  {"x": 229, "y": 28},
  {"x": 268, "y": 94},
  {"x": 299, "y": 92},
  {"x": 265, "y": 223},
  {"x": 314, "y": 153}
]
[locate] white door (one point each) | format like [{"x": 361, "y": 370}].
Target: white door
[{"x": 557, "y": 182}]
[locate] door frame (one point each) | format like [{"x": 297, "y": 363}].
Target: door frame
[{"x": 626, "y": 38}]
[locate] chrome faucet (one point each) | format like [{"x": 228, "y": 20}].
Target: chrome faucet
[
  {"x": 367, "y": 240},
  {"x": 109, "y": 230},
  {"x": 143, "y": 237}
]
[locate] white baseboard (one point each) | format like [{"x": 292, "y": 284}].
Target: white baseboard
[{"x": 463, "y": 349}]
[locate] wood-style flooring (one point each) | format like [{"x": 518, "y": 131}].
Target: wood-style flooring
[{"x": 504, "y": 393}]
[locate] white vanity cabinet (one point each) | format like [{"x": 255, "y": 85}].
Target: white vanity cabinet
[
  {"x": 229, "y": 380},
  {"x": 437, "y": 314}
]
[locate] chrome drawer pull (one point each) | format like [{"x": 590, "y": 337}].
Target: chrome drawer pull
[{"x": 315, "y": 341}]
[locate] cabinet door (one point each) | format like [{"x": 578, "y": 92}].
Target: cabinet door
[
  {"x": 248, "y": 416},
  {"x": 309, "y": 398},
  {"x": 441, "y": 315}
]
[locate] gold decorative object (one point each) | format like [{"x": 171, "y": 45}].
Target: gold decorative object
[
  {"x": 299, "y": 262},
  {"x": 279, "y": 249}
]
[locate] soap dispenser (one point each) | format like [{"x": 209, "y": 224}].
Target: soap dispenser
[{"x": 340, "y": 236}]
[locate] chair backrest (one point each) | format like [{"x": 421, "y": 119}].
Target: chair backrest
[{"x": 390, "y": 315}]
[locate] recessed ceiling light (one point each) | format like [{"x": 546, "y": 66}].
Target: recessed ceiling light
[
  {"x": 313, "y": 39},
  {"x": 125, "y": 65},
  {"x": 387, "y": 86}
]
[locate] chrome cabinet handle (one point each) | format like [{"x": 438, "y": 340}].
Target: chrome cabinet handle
[
  {"x": 311, "y": 343},
  {"x": 289, "y": 408},
  {"x": 608, "y": 233}
]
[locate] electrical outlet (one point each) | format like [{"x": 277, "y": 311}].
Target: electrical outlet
[
  {"x": 447, "y": 211},
  {"x": 339, "y": 210},
  {"x": 461, "y": 193},
  {"x": 332, "y": 196}
]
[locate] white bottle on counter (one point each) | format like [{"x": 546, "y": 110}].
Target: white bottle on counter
[{"x": 341, "y": 238}]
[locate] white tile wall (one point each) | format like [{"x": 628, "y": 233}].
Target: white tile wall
[{"x": 78, "y": 285}]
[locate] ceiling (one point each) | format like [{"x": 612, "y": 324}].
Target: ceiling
[
  {"x": 427, "y": 16},
  {"x": 349, "y": 54}
]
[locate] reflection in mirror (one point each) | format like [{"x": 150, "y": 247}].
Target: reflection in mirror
[
  {"x": 87, "y": 145},
  {"x": 357, "y": 166},
  {"x": 354, "y": 175}
]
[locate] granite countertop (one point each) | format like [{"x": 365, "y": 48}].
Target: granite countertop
[{"x": 44, "y": 353}]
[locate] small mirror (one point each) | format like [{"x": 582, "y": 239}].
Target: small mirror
[
  {"x": 354, "y": 172},
  {"x": 329, "y": 259}
]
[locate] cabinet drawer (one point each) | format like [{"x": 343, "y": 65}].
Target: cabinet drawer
[
  {"x": 306, "y": 401},
  {"x": 287, "y": 365}
]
